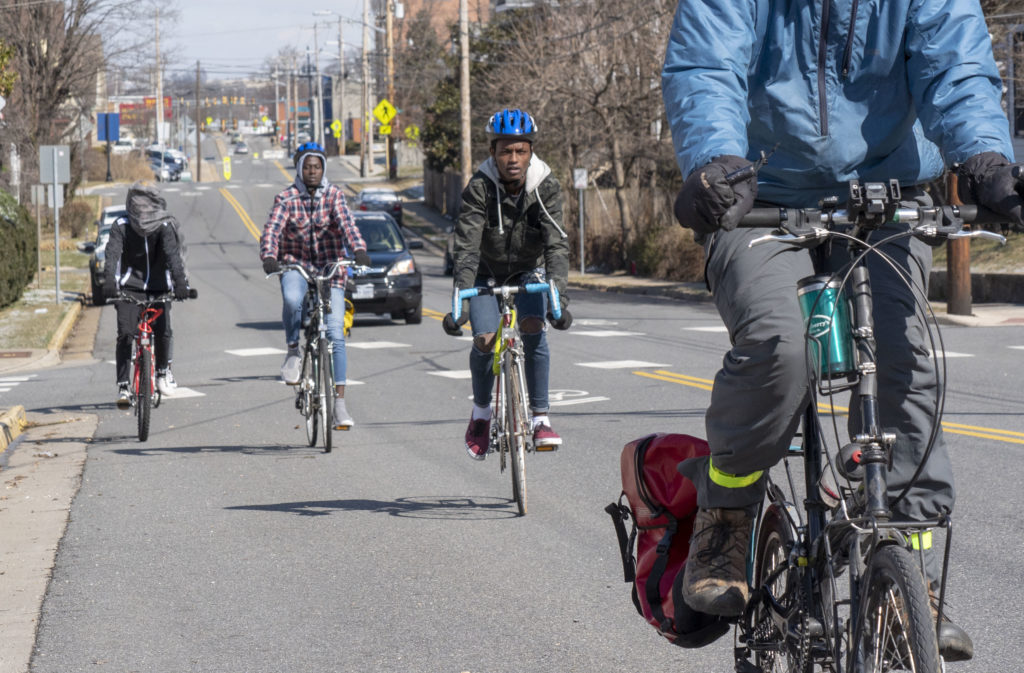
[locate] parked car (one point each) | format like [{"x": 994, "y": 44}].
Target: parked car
[
  {"x": 378, "y": 198},
  {"x": 393, "y": 283},
  {"x": 122, "y": 146},
  {"x": 166, "y": 171},
  {"x": 97, "y": 258}
]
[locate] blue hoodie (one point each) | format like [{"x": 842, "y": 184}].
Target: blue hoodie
[{"x": 868, "y": 89}]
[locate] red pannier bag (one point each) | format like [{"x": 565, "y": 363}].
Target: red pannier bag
[{"x": 662, "y": 504}]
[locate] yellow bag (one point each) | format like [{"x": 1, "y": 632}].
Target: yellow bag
[{"x": 350, "y": 316}]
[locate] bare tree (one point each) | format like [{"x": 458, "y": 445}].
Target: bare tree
[{"x": 60, "y": 50}]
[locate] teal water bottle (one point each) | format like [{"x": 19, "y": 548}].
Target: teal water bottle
[{"x": 826, "y": 316}]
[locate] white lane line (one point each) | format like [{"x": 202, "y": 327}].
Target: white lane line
[
  {"x": 605, "y": 333},
  {"x": 5, "y": 390},
  {"x": 1019, "y": 348},
  {"x": 596, "y": 322},
  {"x": 203, "y": 188},
  {"x": 191, "y": 193},
  {"x": 16, "y": 379},
  {"x": 234, "y": 185},
  {"x": 713, "y": 328},
  {"x": 577, "y": 400},
  {"x": 182, "y": 392},
  {"x": 171, "y": 190},
  {"x": 454, "y": 374},
  {"x": 265, "y": 185},
  {"x": 621, "y": 364},
  {"x": 250, "y": 352},
  {"x": 463, "y": 338},
  {"x": 374, "y": 345},
  {"x": 952, "y": 354}
]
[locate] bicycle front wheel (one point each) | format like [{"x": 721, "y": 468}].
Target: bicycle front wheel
[
  {"x": 326, "y": 394},
  {"x": 143, "y": 392},
  {"x": 517, "y": 427},
  {"x": 896, "y": 628},
  {"x": 308, "y": 384}
]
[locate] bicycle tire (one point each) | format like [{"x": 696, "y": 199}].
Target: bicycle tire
[
  {"x": 517, "y": 424},
  {"x": 775, "y": 539},
  {"x": 326, "y": 396},
  {"x": 144, "y": 392},
  {"x": 896, "y": 631},
  {"x": 308, "y": 383}
]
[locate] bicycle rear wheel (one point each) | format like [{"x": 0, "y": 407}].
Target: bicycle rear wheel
[
  {"x": 143, "y": 392},
  {"x": 326, "y": 396},
  {"x": 896, "y": 628},
  {"x": 308, "y": 382},
  {"x": 516, "y": 427}
]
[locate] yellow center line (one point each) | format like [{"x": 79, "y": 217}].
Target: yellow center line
[
  {"x": 287, "y": 175},
  {"x": 246, "y": 220},
  {"x": 826, "y": 408}
]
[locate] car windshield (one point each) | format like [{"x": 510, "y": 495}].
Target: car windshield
[{"x": 380, "y": 236}]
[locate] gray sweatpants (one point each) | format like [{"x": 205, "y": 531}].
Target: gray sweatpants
[{"x": 762, "y": 389}]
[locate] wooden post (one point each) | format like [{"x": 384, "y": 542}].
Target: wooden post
[{"x": 958, "y": 263}]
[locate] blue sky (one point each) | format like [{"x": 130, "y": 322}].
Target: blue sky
[{"x": 230, "y": 37}]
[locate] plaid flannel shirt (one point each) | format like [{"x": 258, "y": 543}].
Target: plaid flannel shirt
[{"x": 294, "y": 235}]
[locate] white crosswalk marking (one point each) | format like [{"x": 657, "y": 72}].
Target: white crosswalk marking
[
  {"x": 9, "y": 383},
  {"x": 709, "y": 328},
  {"x": 250, "y": 352},
  {"x": 621, "y": 364},
  {"x": 374, "y": 345},
  {"x": 182, "y": 392},
  {"x": 454, "y": 374},
  {"x": 595, "y": 322},
  {"x": 605, "y": 333},
  {"x": 577, "y": 400},
  {"x": 952, "y": 354}
]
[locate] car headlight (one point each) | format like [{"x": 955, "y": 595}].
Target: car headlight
[{"x": 402, "y": 267}]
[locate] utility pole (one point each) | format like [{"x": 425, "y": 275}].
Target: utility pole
[
  {"x": 309, "y": 92},
  {"x": 366, "y": 146},
  {"x": 467, "y": 147},
  {"x": 319, "y": 116},
  {"x": 159, "y": 89},
  {"x": 199, "y": 151},
  {"x": 340, "y": 112},
  {"x": 277, "y": 106},
  {"x": 390, "y": 160}
]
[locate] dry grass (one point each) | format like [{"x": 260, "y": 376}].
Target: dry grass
[{"x": 990, "y": 257}]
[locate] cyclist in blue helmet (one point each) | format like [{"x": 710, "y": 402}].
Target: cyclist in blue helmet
[
  {"x": 509, "y": 230},
  {"x": 310, "y": 225}
]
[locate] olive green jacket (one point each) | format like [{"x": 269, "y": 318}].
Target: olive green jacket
[{"x": 500, "y": 237}]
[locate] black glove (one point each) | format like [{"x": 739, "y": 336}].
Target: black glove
[
  {"x": 987, "y": 179},
  {"x": 271, "y": 265},
  {"x": 181, "y": 292},
  {"x": 110, "y": 289},
  {"x": 563, "y": 322},
  {"x": 362, "y": 259},
  {"x": 453, "y": 327},
  {"x": 707, "y": 202}
]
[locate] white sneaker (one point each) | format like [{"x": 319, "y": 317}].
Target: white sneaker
[
  {"x": 342, "y": 421},
  {"x": 170, "y": 380},
  {"x": 124, "y": 396},
  {"x": 165, "y": 387},
  {"x": 291, "y": 370}
]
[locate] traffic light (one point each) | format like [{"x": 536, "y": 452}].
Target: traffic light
[{"x": 234, "y": 124}]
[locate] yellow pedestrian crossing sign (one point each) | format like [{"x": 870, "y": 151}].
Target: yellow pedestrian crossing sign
[
  {"x": 336, "y": 128},
  {"x": 385, "y": 111},
  {"x": 384, "y": 129}
]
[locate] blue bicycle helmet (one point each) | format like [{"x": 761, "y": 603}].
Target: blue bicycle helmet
[
  {"x": 310, "y": 148},
  {"x": 511, "y": 125}
]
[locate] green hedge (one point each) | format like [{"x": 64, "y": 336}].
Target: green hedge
[{"x": 17, "y": 249}]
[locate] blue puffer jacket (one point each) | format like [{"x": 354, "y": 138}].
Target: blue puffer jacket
[{"x": 869, "y": 89}]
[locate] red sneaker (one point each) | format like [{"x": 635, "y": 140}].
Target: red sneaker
[
  {"x": 478, "y": 438},
  {"x": 545, "y": 439}
]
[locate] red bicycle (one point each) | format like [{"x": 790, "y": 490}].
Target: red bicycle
[{"x": 145, "y": 394}]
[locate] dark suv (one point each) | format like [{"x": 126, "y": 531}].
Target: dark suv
[{"x": 393, "y": 283}]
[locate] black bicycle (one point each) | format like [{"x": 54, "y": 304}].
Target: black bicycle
[
  {"x": 838, "y": 521},
  {"x": 314, "y": 397}
]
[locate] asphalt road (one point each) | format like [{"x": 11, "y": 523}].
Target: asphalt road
[{"x": 224, "y": 543}]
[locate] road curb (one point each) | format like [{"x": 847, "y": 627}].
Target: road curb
[
  {"x": 12, "y": 423},
  {"x": 65, "y": 327}
]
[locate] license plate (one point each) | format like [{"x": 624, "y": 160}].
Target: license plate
[{"x": 363, "y": 291}]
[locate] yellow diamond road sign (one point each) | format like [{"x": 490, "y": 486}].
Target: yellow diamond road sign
[
  {"x": 384, "y": 129},
  {"x": 385, "y": 111},
  {"x": 336, "y": 126}
]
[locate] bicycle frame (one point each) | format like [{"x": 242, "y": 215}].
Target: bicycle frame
[
  {"x": 144, "y": 340},
  {"x": 851, "y": 527}
]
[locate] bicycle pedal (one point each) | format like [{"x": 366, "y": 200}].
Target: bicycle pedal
[
  {"x": 546, "y": 449},
  {"x": 343, "y": 428}
]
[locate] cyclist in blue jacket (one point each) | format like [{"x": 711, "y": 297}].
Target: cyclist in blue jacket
[{"x": 845, "y": 89}]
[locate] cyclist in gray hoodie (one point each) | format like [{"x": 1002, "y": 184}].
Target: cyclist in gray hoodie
[{"x": 509, "y": 230}]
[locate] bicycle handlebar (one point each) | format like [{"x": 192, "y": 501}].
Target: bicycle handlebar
[
  {"x": 333, "y": 266},
  {"x": 508, "y": 290},
  {"x": 807, "y": 224},
  {"x": 153, "y": 298}
]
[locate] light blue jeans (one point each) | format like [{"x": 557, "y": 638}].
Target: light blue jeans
[{"x": 293, "y": 291}]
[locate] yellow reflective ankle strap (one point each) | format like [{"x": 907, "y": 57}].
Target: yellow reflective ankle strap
[
  {"x": 922, "y": 540},
  {"x": 732, "y": 480}
]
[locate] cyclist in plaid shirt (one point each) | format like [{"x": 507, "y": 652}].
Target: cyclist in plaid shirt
[{"x": 310, "y": 225}]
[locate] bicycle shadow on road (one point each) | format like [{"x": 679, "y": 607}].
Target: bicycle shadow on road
[
  {"x": 462, "y": 507},
  {"x": 261, "y": 325}
]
